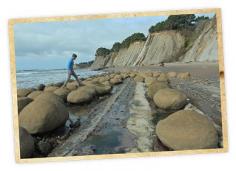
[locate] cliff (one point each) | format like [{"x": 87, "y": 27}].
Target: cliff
[{"x": 198, "y": 44}]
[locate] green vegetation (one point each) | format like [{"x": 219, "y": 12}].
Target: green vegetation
[
  {"x": 102, "y": 51},
  {"x": 184, "y": 23},
  {"x": 177, "y": 22},
  {"x": 116, "y": 47},
  {"x": 133, "y": 38}
]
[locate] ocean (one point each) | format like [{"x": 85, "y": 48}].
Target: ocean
[{"x": 32, "y": 78}]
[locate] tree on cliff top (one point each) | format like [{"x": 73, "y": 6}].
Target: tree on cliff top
[
  {"x": 116, "y": 47},
  {"x": 102, "y": 51},
  {"x": 133, "y": 38},
  {"x": 177, "y": 22}
]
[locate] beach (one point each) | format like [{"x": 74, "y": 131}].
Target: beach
[{"x": 120, "y": 117}]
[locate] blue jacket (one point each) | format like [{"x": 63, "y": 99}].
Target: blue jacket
[{"x": 70, "y": 64}]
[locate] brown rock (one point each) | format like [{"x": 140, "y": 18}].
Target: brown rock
[
  {"x": 50, "y": 88},
  {"x": 149, "y": 80},
  {"x": 170, "y": 99},
  {"x": 155, "y": 86},
  {"x": 26, "y": 143},
  {"x": 171, "y": 74},
  {"x": 23, "y": 92},
  {"x": 34, "y": 94},
  {"x": 22, "y": 102},
  {"x": 83, "y": 94},
  {"x": 72, "y": 85},
  {"x": 62, "y": 92},
  {"x": 185, "y": 130},
  {"x": 184, "y": 75},
  {"x": 46, "y": 113},
  {"x": 115, "y": 81},
  {"x": 138, "y": 78},
  {"x": 162, "y": 77}
]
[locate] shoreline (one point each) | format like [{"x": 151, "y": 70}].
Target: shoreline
[{"x": 112, "y": 115}]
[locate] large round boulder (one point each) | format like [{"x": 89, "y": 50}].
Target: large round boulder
[
  {"x": 62, "y": 92},
  {"x": 115, "y": 81},
  {"x": 183, "y": 75},
  {"x": 149, "y": 80},
  {"x": 82, "y": 95},
  {"x": 103, "y": 89},
  {"x": 26, "y": 143},
  {"x": 72, "y": 85},
  {"x": 139, "y": 78},
  {"x": 171, "y": 74},
  {"x": 162, "y": 77},
  {"x": 22, "y": 102},
  {"x": 35, "y": 94},
  {"x": 170, "y": 99},
  {"x": 155, "y": 86},
  {"x": 46, "y": 113},
  {"x": 185, "y": 130},
  {"x": 50, "y": 88},
  {"x": 23, "y": 92}
]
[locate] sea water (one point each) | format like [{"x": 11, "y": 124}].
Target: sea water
[{"x": 32, "y": 78}]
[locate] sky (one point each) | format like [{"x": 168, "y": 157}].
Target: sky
[{"x": 49, "y": 45}]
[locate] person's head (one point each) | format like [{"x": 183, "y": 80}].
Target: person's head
[{"x": 74, "y": 56}]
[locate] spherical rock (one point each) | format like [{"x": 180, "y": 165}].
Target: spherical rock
[
  {"x": 162, "y": 77},
  {"x": 184, "y": 75},
  {"x": 138, "y": 78},
  {"x": 171, "y": 74},
  {"x": 170, "y": 99},
  {"x": 62, "y": 92},
  {"x": 23, "y": 92},
  {"x": 46, "y": 113},
  {"x": 155, "y": 86},
  {"x": 185, "y": 130},
  {"x": 22, "y": 102},
  {"x": 26, "y": 143},
  {"x": 50, "y": 88},
  {"x": 35, "y": 94},
  {"x": 83, "y": 94},
  {"x": 115, "y": 81}
]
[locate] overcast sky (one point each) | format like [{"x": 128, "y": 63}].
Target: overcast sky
[{"x": 50, "y": 45}]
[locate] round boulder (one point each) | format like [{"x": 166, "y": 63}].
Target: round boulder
[
  {"x": 162, "y": 77},
  {"x": 103, "y": 89},
  {"x": 35, "y": 94},
  {"x": 50, "y": 88},
  {"x": 170, "y": 99},
  {"x": 22, "y": 102},
  {"x": 115, "y": 81},
  {"x": 72, "y": 85},
  {"x": 23, "y": 92},
  {"x": 82, "y": 95},
  {"x": 149, "y": 80},
  {"x": 62, "y": 92},
  {"x": 171, "y": 74},
  {"x": 185, "y": 130},
  {"x": 26, "y": 143},
  {"x": 138, "y": 78},
  {"x": 41, "y": 87},
  {"x": 183, "y": 75},
  {"x": 46, "y": 113},
  {"x": 155, "y": 86}
]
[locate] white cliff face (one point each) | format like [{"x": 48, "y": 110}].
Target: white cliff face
[
  {"x": 166, "y": 46},
  {"x": 127, "y": 56},
  {"x": 205, "y": 46}
]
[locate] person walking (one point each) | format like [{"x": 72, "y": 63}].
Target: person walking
[{"x": 71, "y": 72}]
